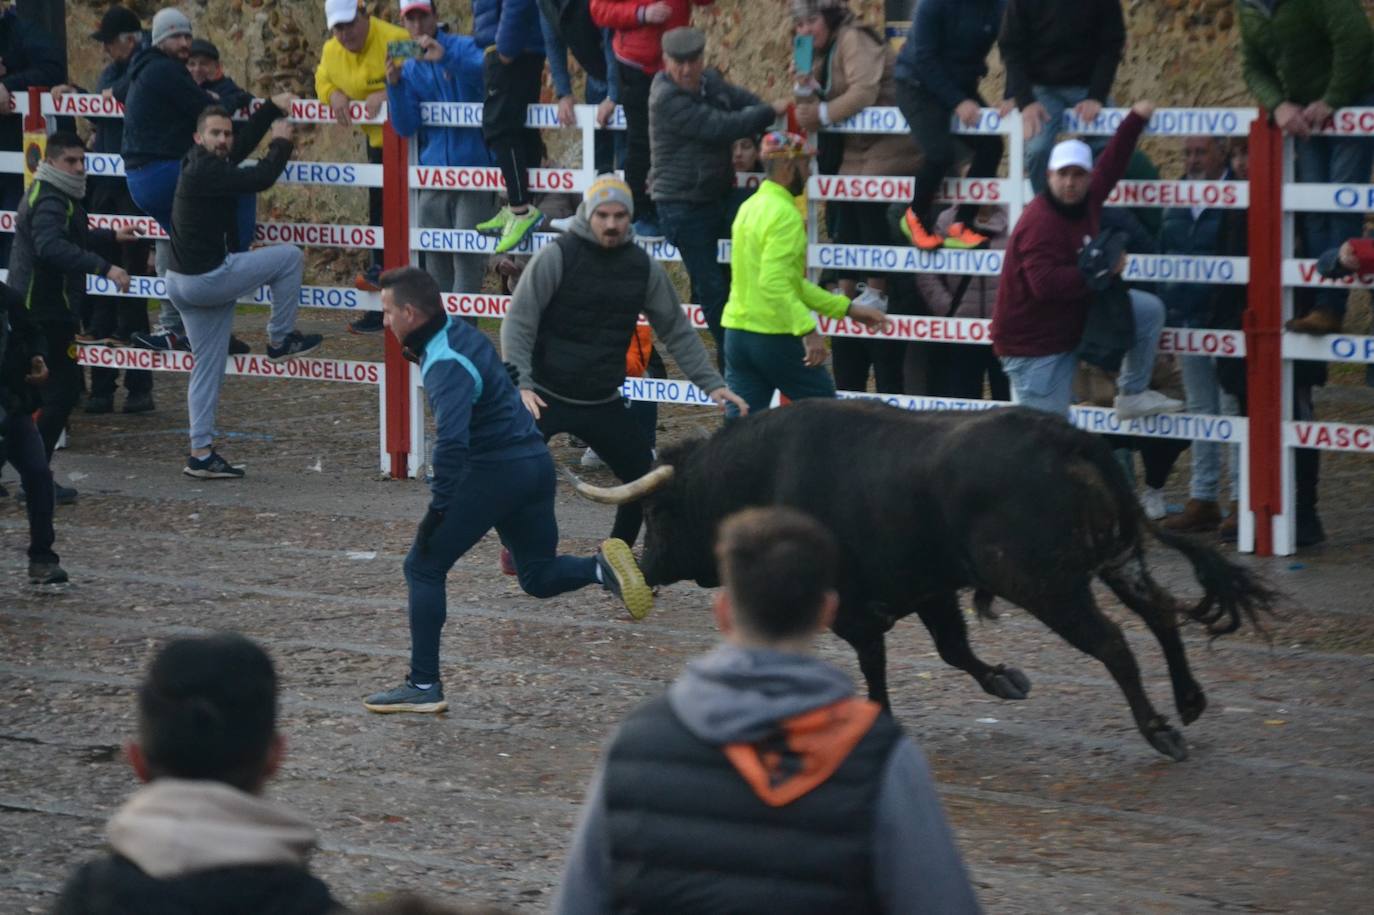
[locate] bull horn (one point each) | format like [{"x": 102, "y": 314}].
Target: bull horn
[{"x": 651, "y": 482}]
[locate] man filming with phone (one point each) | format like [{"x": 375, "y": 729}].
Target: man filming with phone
[{"x": 438, "y": 66}]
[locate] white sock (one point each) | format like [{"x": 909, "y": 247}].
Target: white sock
[
  {"x": 599, "y": 579},
  {"x": 423, "y": 685}
]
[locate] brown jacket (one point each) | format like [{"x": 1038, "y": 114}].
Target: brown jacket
[{"x": 857, "y": 74}]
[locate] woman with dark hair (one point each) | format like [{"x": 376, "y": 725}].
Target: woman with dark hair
[{"x": 853, "y": 70}]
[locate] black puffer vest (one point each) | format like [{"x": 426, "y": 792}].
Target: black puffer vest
[
  {"x": 689, "y": 835},
  {"x": 579, "y": 351}
]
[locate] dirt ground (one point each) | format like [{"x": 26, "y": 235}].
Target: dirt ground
[{"x": 1058, "y": 804}]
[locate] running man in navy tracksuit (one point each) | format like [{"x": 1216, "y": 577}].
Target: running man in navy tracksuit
[{"x": 491, "y": 470}]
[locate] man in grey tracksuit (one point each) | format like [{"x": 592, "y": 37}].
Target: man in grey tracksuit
[
  {"x": 760, "y": 782},
  {"x": 571, "y": 320}
]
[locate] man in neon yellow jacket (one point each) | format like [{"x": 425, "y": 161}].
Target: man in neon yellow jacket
[
  {"x": 353, "y": 69},
  {"x": 771, "y": 339}
]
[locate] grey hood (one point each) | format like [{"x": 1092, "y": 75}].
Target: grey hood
[
  {"x": 739, "y": 695},
  {"x": 174, "y": 826}
]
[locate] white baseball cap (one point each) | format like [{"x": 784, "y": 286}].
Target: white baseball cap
[
  {"x": 337, "y": 12},
  {"x": 1070, "y": 153}
]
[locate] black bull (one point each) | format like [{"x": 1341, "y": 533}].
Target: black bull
[{"x": 1013, "y": 503}]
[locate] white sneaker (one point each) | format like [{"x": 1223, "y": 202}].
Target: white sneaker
[
  {"x": 872, "y": 298},
  {"x": 591, "y": 460},
  {"x": 1146, "y": 403},
  {"x": 1153, "y": 503},
  {"x": 563, "y": 224}
]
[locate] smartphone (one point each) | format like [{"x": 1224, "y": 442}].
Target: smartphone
[
  {"x": 409, "y": 49},
  {"x": 803, "y": 50}
]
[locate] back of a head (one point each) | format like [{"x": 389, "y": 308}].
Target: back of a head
[
  {"x": 208, "y": 710},
  {"x": 777, "y": 564}
]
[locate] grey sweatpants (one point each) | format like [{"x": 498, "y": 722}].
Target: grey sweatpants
[
  {"x": 167, "y": 317},
  {"x": 206, "y": 303},
  {"x": 455, "y": 210}
]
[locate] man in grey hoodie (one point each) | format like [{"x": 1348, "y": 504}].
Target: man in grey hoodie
[
  {"x": 571, "y": 320},
  {"x": 760, "y": 782},
  {"x": 198, "y": 837}
]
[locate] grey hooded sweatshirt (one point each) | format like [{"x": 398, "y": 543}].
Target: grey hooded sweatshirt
[
  {"x": 538, "y": 284},
  {"x": 734, "y": 695}
]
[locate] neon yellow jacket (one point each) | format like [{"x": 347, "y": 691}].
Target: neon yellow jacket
[
  {"x": 358, "y": 75},
  {"x": 769, "y": 292}
]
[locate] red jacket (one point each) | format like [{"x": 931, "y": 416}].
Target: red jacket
[
  {"x": 1364, "y": 250},
  {"x": 1042, "y": 301},
  {"x": 636, "y": 42}
]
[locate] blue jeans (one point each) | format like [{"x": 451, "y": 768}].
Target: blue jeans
[
  {"x": 1333, "y": 160},
  {"x": 1148, "y": 312},
  {"x": 1205, "y": 395},
  {"x": 756, "y": 365},
  {"x": 1042, "y": 382},
  {"x": 1056, "y": 100},
  {"x": 27, "y": 455},
  {"x": 516, "y": 498},
  {"x": 1046, "y": 382},
  {"x": 694, "y": 228}
]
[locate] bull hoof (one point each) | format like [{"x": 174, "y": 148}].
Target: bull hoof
[
  {"x": 1168, "y": 741},
  {"x": 1191, "y": 705},
  {"x": 1007, "y": 683}
]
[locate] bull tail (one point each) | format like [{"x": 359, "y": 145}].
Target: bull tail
[{"x": 1232, "y": 594}]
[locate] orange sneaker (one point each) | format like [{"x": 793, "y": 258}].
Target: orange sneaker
[
  {"x": 961, "y": 236},
  {"x": 917, "y": 234}
]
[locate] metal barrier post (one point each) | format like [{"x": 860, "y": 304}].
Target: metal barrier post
[
  {"x": 396, "y": 253},
  {"x": 1262, "y": 323}
]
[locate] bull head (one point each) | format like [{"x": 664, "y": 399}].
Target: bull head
[{"x": 632, "y": 491}]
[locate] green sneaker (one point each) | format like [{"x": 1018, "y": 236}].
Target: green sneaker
[
  {"x": 519, "y": 226},
  {"x": 407, "y": 698},
  {"x": 621, "y": 576},
  {"x": 496, "y": 224}
]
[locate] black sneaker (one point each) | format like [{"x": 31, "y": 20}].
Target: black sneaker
[
  {"x": 370, "y": 323},
  {"x": 47, "y": 573},
  {"x": 294, "y": 346},
  {"x": 621, "y": 576},
  {"x": 62, "y": 495},
  {"x": 99, "y": 403},
  {"x": 165, "y": 340},
  {"x": 407, "y": 698},
  {"x": 237, "y": 347},
  {"x": 139, "y": 403},
  {"x": 212, "y": 467}
]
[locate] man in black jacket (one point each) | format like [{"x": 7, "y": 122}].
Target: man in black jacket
[
  {"x": 209, "y": 75},
  {"x": 115, "y": 318},
  {"x": 695, "y": 117},
  {"x": 48, "y": 267},
  {"x": 210, "y": 270},
  {"x": 22, "y": 370},
  {"x": 1059, "y": 54},
  {"x": 760, "y": 782},
  {"x": 28, "y": 57},
  {"x": 198, "y": 836},
  {"x": 161, "y": 104}
]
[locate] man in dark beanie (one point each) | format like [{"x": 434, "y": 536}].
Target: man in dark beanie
[{"x": 198, "y": 837}]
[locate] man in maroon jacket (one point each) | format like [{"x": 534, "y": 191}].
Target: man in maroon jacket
[{"x": 1042, "y": 302}]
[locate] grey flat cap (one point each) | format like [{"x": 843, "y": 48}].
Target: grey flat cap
[{"x": 684, "y": 43}]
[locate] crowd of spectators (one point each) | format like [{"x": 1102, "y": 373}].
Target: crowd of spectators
[{"x": 855, "y": 788}]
